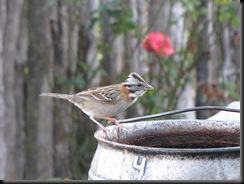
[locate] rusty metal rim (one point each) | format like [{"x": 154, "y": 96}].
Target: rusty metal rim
[{"x": 165, "y": 150}]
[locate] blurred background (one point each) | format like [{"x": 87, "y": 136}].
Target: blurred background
[{"x": 66, "y": 46}]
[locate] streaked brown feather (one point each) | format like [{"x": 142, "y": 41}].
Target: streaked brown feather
[{"x": 106, "y": 94}]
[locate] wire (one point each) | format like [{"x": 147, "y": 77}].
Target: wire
[{"x": 177, "y": 112}]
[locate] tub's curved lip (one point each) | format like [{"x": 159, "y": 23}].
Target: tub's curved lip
[{"x": 137, "y": 148}]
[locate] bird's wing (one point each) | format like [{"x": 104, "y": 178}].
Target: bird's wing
[{"x": 106, "y": 94}]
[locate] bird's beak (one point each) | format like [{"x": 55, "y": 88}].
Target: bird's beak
[{"x": 149, "y": 87}]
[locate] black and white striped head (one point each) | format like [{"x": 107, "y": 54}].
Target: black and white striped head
[{"x": 136, "y": 85}]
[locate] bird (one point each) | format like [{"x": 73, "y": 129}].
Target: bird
[{"x": 107, "y": 101}]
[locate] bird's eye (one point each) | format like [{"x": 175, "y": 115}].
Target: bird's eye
[{"x": 139, "y": 85}]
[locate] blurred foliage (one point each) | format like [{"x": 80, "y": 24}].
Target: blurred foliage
[
  {"x": 77, "y": 81},
  {"x": 173, "y": 75},
  {"x": 231, "y": 92},
  {"x": 226, "y": 12},
  {"x": 192, "y": 9},
  {"x": 119, "y": 15}
]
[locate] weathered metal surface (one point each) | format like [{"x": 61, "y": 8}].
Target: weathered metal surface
[{"x": 168, "y": 150}]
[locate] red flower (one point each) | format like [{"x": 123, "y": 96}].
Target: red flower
[{"x": 159, "y": 44}]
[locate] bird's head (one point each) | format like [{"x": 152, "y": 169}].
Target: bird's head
[{"x": 136, "y": 85}]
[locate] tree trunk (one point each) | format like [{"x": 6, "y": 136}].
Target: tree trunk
[
  {"x": 93, "y": 36},
  {"x": 213, "y": 62},
  {"x": 10, "y": 39},
  {"x": 3, "y": 144},
  {"x": 39, "y": 118},
  {"x": 62, "y": 109},
  {"x": 108, "y": 39},
  {"x": 202, "y": 55},
  {"x": 135, "y": 52},
  {"x": 230, "y": 43},
  {"x": 142, "y": 21},
  {"x": 159, "y": 14},
  {"x": 178, "y": 33},
  {"x": 21, "y": 59}
]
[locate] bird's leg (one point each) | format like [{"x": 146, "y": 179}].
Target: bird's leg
[
  {"x": 115, "y": 121},
  {"x": 99, "y": 124}
]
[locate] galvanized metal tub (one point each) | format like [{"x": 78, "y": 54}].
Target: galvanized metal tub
[{"x": 168, "y": 150}]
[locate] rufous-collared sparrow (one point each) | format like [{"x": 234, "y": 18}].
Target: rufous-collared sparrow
[{"x": 107, "y": 101}]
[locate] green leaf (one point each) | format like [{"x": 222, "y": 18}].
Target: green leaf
[
  {"x": 62, "y": 80},
  {"x": 78, "y": 82},
  {"x": 235, "y": 22},
  {"x": 84, "y": 66},
  {"x": 94, "y": 20}
]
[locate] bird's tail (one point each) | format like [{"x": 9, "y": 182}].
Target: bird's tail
[{"x": 56, "y": 95}]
